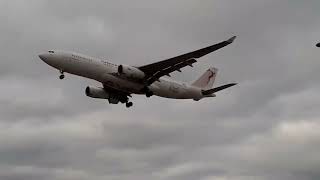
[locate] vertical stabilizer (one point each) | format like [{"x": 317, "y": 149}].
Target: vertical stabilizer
[{"x": 206, "y": 81}]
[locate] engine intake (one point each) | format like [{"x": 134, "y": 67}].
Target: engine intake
[
  {"x": 130, "y": 72},
  {"x": 98, "y": 93}
]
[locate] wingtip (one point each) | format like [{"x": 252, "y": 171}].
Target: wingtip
[
  {"x": 232, "y": 84},
  {"x": 231, "y": 39}
]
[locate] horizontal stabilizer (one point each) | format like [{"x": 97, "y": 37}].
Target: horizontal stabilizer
[
  {"x": 214, "y": 90},
  {"x": 231, "y": 39}
]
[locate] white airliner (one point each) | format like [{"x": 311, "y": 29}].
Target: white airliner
[{"x": 120, "y": 81}]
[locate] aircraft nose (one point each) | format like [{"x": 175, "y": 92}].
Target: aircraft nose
[{"x": 43, "y": 57}]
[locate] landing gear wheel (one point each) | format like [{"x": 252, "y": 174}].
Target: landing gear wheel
[
  {"x": 149, "y": 94},
  {"x": 147, "y": 91},
  {"x": 61, "y": 76},
  {"x": 129, "y": 104}
]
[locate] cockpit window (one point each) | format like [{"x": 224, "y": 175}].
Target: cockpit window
[{"x": 51, "y": 52}]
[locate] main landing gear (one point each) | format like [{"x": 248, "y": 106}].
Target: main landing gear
[
  {"x": 147, "y": 91},
  {"x": 129, "y": 104},
  {"x": 123, "y": 100},
  {"x": 149, "y": 94},
  {"x": 61, "y": 75}
]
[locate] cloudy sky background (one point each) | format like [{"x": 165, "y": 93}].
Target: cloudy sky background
[{"x": 265, "y": 128}]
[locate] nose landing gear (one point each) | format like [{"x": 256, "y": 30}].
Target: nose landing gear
[{"x": 62, "y": 75}]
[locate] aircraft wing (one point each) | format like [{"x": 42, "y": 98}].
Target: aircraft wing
[{"x": 156, "y": 70}]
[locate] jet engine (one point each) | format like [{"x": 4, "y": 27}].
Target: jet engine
[
  {"x": 100, "y": 93},
  {"x": 130, "y": 72}
]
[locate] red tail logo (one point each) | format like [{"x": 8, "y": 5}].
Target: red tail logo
[{"x": 210, "y": 76}]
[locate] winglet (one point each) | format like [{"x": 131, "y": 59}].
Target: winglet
[{"x": 231, "y": 39}]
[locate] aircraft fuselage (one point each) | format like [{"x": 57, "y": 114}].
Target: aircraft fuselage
[{"x": 107, "y": 73}]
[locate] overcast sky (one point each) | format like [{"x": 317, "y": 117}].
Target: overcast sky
[{"x": 265, "y": 128}]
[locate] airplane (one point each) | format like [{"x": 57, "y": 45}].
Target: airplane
[{"x": 120, "y": 81}]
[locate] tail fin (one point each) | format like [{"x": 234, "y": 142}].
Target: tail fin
[{"x": 206, "y": 81}]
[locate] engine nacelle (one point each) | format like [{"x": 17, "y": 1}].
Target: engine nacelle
[
  {"x": 130, "y": 72},
  {"x": 98, "y": 93}
]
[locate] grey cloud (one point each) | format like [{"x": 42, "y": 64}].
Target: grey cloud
[{"x": 265, "y": 128}]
